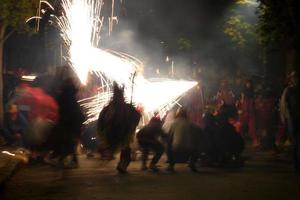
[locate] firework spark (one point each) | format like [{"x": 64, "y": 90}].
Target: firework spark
[{"x": 81, "y": 25}]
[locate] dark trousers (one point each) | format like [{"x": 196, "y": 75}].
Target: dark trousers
[
  {"x": 65, "y": 143},
  {"x": 156, "y": 147},
  {"x": 8, "y": 137},
  {"x": 182, "y": 156},
  {"x": 125, "y": 159}
]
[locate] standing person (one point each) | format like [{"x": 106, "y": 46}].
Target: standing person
[
  {"x": 247, "y": 112},
  {"x": 237, "y": 88},
  {"x": 292, "y": 107},
  {"x": 183, "y": 141},
  {"x": 266, "y": 118},
  {"x": 116, "y": 126},
  {"x": 70, "y": 122},
  {"x": 230, "y": 143},
  {"x": 148, "y": 139},
  {"x": 195, "y": 105},
  {"x": 225, "y": 95},
  {"x": 15, "y": 126}
]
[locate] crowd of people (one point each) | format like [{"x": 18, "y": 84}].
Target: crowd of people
[
  {"x": 213, "y": 129},
  {"x": 45, "y": 119}
]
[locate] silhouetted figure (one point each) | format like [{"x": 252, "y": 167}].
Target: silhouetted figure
[
  {"x": 247, "y": 112},
  {"x": 116, "y": 126},
  {"x": 70, "y": 122},
  {"x": 292, "y": 107},
  {"x": 229, "y": 143},
  {"x": 211, "y": 133},
  {"x": 148, "y": 139}
]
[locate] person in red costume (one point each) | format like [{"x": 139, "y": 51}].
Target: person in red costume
[{"x": 247, "y": 112}]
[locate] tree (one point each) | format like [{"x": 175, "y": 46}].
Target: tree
[
  {"x": 13, "y": 14},
  {"x": 184, "y": 43},
  {"x": 279, "y": 28},
  {"x": 240, "y": 28}
]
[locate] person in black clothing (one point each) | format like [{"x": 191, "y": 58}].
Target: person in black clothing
[
  {"x": 148, "y": 139},
  {"x": 70, "y": 122},
  {"x": 229, "y": 142},
  {"x": 116, "y": 126}
]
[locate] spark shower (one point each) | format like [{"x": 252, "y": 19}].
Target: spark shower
[{"x": 80, "y": 25}]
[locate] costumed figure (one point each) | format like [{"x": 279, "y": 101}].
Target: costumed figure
[
  {"x": 116, "y": 126},
  {"x": 246, "y": 111}
]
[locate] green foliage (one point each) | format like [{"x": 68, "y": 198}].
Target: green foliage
[
  {"x": 278, "y": 23},
  {"x": 14, "y": 13},
  {"x": 184, "y": 44},
  {"x": 238, "y": 28},
  {"x": 239, "y": 31}
]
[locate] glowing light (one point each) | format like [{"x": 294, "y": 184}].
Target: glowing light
[
  {"x": 29, "y": 78},
  {"x": 8, "y": 153},
  {"x": 48, "y": 4},
  {"x": 31, "y": 18},
  {"x": 38, "y": 16},
  {"x": 249, "y": 2},
  {"x": 81, "y": 24}
]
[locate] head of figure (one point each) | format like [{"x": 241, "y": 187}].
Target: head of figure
[
  {"x": 118, "y": 95},
  {"x": 293, "y": 78},
  {"x": 181, "y": 113},
  {"x": 238, "y": 81},
  {"x": 13, "y": 111},
  {"x": 248, "y": 84},
  {"x": 223, "y": 84}
]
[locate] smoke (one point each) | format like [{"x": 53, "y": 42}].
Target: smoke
[{"x": 150, "y": 30}]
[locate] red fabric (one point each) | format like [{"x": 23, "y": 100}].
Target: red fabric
[
  {"x": 225, "y": 97},
  {"x": 247, "y": 116},
  {"x": 45, "y": 106},
  {"x": 39, "y": 103},
  {"x": 196, "y": 106},
  {"x": 264, "y": 109}
]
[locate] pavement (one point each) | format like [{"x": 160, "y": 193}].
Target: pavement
[
  {"x": 10, "y": 160},
  {"x": 263, "y": 177}
]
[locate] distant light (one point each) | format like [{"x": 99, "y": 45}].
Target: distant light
[
  {"x": 28, "y": 78},
  {"x": 43, "y": 11}
]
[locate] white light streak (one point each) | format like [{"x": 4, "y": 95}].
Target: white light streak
[
  {"x": 8, "y": 153},
  {"x": 29, "y": 78},
  {"x": 31, "y": 18},
  {"x": 48, "y": 4},
  {"x": 80, "y": 25}
]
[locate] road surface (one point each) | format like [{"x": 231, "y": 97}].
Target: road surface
[{"x": 261, "y": 178}]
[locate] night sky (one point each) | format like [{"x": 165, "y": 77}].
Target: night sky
[{"x": 148, "y": 29}]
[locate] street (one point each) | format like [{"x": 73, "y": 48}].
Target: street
[{"x": 261, "y": 178}]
